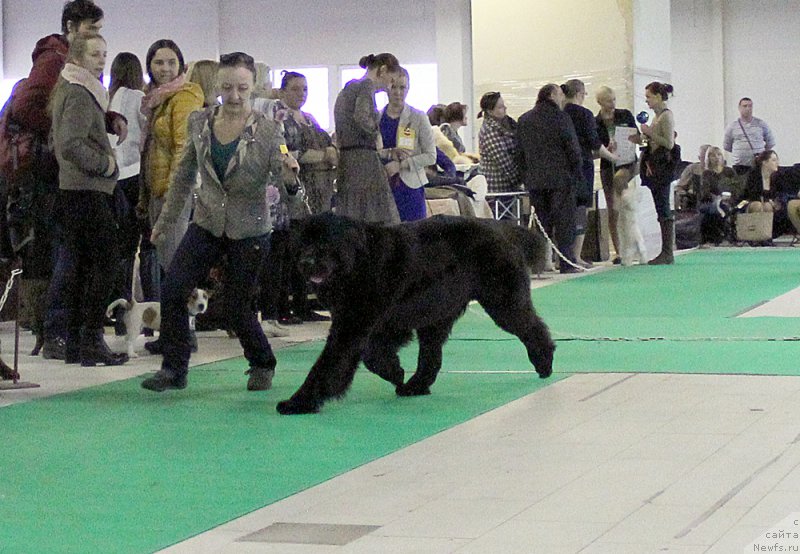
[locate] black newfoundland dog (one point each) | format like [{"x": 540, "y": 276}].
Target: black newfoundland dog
[{"x": 383, "y": 283}]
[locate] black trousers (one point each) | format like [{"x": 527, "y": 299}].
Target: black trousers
[
  {"x": 197, "y": 253},
  {"x": 90, "y": 236},
  {"x": 555, "y": 208}
]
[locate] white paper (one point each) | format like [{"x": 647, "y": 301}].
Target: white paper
[{"x": 626, "y": 150}]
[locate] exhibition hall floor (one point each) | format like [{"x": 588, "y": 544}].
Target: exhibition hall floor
[{"x": 669, "y": 425}]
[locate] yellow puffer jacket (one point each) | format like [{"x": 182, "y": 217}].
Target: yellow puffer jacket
[{"x": 168, "y": 136}]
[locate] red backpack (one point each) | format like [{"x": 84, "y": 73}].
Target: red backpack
[{"x": 19, "y": 147}]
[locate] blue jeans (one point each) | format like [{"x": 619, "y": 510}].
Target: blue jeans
[
  {"x": 55, "y": 323},
  {"x": 197, "y": 253}
]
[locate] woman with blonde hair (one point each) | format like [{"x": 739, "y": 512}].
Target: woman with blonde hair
[
  {"x": 716, "y": 179},
  {"x": 87, "y": 175},
  {"x": 407, "y": 132},
  {"x": 614, "y": 177},
  {"x": 204, "y": 73}
]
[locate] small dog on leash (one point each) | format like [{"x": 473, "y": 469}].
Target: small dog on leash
[
  {"x": 631, "y": 241},
  {"x": 147, "y": 315}
]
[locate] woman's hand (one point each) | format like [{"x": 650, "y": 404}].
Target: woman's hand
[
  {"x": 647, "y": 129},
  {"x": 120, "y": 128},
  {"x": 635, "y": 139},
  {"x": 331, "y": 155},
  {"x": 290, "y": 163},
  {"x": 400, "y": 154},
  {"x": 612, "y": 145},
  {"x": 141, "y": 210},
  {"x": 392, "y": 168}
]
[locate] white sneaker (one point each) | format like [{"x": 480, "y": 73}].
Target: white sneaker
[{"x": 272, "y": 329}]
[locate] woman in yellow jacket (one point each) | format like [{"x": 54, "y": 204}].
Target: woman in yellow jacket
[{"x": 167, "y": 105}]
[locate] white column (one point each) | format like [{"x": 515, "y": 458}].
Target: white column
[
  {"x": 718, "y": 101},
  {"x": 454, "y": 58},
  {"x": 652, "y": 46}
]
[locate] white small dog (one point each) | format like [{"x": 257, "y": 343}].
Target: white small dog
[
  {"x": 147, "y": 315},
  {"x": 631, "y": 241}
]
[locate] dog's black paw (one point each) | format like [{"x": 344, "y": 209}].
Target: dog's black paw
[
  {"x": 545, "y": 373},
  {"x": 410, "y": 389},
  {"x": 544, "y": 365},
  {"x": 394, "y": 375},
  {"x": 294, "y": 407}
]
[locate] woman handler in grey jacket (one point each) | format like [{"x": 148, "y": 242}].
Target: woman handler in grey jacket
[
  {"x": 87, "y": 174},
  {"x": 237, "y": 152}
]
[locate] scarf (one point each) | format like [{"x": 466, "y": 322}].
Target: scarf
[
  {"x": 160, "y": 94},
  {"x": 153, "y": 100},
  {"x": 78, "y": 75}
]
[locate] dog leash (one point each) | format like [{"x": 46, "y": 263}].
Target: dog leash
[
  {"x": 9, "y": 284},
  {"x": 539, "y": 225}
]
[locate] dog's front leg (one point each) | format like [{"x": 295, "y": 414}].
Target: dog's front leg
[
  {"x": 429, "y": 361},
  {"x": 330, "y": 377}
]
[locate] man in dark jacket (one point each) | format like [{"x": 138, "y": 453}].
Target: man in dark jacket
[
  {"x": 547, "y": 138},
  {"x": 28, "y": 109}
]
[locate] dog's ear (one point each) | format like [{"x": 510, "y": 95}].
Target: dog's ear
[{"x": 149, "y": 315}]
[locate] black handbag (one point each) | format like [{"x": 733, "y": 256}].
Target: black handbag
[{"x": 659, "y": 164}]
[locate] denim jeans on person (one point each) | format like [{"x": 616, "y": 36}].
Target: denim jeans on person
[
  {"x": 55, "y": 322},
  {"x": 90, "y": 237},
  {"x": 197, "y": 253}
]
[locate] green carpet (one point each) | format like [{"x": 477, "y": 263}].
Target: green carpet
[
  {"x": 117, "y": 469},
  {"x": 679, "y": 318}
]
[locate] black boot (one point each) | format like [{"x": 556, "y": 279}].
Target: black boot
[
  {"x": 154, "y": 346},
  {"x": 53, "y": 348},
  {"x": 72, "y": 346},
  {"x": 667, "y": 240},
  {"x": 95, "y": 351}
]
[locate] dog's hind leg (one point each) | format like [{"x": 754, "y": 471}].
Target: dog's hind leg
[
  {"x": 380, "y": 355},
  {"x": 429, "y": 362},
  {"x": 515, "y": 314}
]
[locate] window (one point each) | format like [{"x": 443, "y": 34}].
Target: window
[
  {"x": 423, "y": 89},
  {"x": 6, "y": 86},
  {"x": 318, "y": 100}
]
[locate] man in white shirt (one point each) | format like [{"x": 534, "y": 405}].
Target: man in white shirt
[{"x": 746, "y": 137}]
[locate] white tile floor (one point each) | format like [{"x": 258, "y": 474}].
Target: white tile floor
[{"x": 605, "y": 463}]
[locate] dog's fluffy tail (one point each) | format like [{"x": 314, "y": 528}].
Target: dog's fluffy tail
[
  {"x": 118, "y": 302},
  {"x": 531, "y": 243}
]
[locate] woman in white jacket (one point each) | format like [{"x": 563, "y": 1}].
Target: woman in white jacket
[
  {"x": 408, "y": 148},
  {"x": 126, "y": 93}
]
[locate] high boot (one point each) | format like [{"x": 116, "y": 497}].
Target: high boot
[
  {"x": 72, "y": 346},
  {"x": 95, "y": 351},
  {"x": 667, "y": 240}
]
